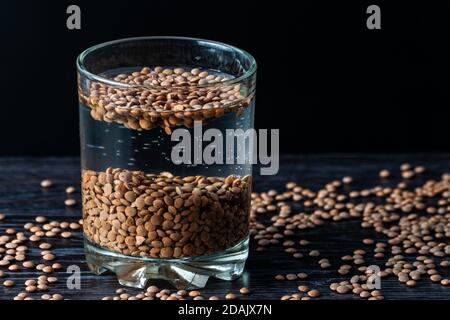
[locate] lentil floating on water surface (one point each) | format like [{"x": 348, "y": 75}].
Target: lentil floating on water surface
[{"x": 175, "y": 98}]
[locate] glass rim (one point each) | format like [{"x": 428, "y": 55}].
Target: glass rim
[{"x": 80, "y": 62}]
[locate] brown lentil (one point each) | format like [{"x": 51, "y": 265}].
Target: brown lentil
[
  {"x": 163, "y": 236},
  {"x": 31, "y": 289},
  {"x": 419, "y": 169},
  {"x": 70, "y": 190},
  {"x": 314, "y": 253},
  {"x": 40, "y": 219},
  {"x": 291, "y": 277},
  {"x": 14, "y": 268},
  {"x": 47, "y": 269},
  {"x": 172, "y": 103},
  {"x": 70, "y": 202},
  {"x": 52, "y": 279},
  {"x": 244, "y": 290},
  {"x": 66, "y": 234},
  {"x": 302, "y": 275},
  {"x": 47, "y": 183},
  {"x": 194, "y": 293},
  {"x": 48, "y": 257},
  {"x": 230, "y": 296},
  {"x": 313, "y": 293},
  {"x": 8, "y": 283},
  {"x": 384, "y": 174},
  {"x": 303, "y": 288}
]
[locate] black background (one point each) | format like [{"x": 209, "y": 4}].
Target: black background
[{"x": 326, "y": 81}]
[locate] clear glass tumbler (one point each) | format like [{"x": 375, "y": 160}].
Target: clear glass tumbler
[{"x": 152, "y": 208}]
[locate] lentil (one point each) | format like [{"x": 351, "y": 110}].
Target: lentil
[
  {"x": 200, "y": 199},
  {"x": 70, "y": 190},
  {"x": 47, "y": 183},
  {"x": 70, "y": 202},
  {"x": 8, "y": 283},
  {"x": 230, "y": 296},
  {"x": 244, "y": 290},
  {"x": 160, "y": 108}
]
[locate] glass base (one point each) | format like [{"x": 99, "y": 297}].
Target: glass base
[{"x": 185, "y": 273}]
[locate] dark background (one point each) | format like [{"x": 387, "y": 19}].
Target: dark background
[{"x": 326, "y": 81}]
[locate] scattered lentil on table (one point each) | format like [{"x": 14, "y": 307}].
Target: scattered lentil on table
[{"x": 413, "y": 221}]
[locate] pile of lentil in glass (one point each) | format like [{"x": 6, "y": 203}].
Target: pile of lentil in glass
[
  {"x": 412, "y": 226},
  {"x": 163, "y": 215}
]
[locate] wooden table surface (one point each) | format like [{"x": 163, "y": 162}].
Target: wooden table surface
[{"x": 22, "y": 198}]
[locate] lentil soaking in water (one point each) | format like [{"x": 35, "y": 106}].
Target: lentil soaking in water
[{"x": 163, "y": 193}]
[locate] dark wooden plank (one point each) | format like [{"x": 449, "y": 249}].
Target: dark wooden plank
[{"x": 22, "y": 198}]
